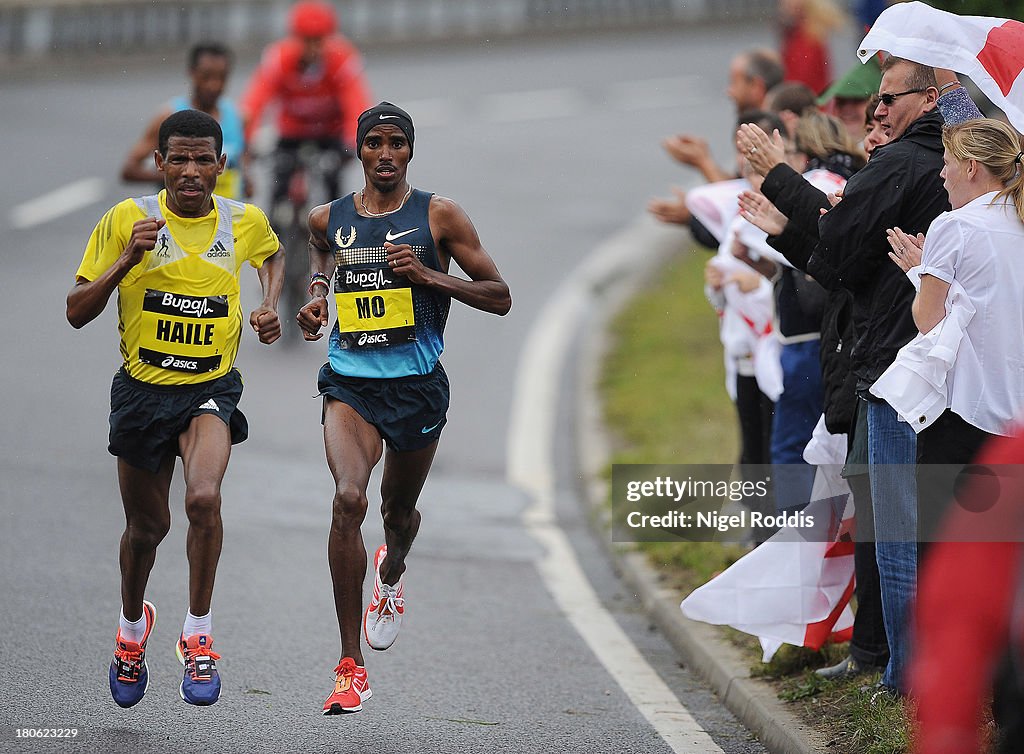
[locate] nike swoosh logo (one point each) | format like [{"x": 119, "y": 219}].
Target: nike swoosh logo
[
  {"x": 389, "y": 236},
  {"x": 385, "y": 117},
  {"x": 427, "y": 430}
]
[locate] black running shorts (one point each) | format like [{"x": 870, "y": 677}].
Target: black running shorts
[
  {"x": 409, "y": 412},
  {"x": 146, "y": 420}
]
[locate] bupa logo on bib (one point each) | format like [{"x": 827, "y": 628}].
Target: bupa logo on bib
[{"x": 178, "y": 305}]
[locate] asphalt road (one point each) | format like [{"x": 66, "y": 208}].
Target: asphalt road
[{"x": 552, "y": 147}]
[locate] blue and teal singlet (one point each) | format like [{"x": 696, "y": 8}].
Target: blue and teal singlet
[{"x": 386, "y": 326}]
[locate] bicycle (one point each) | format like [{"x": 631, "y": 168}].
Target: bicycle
[{"x": 312, "y": 165}]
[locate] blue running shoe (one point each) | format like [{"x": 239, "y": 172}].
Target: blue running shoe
[
  {"x": 201, "y": 683},
  {"x": 129, "y": 675}
]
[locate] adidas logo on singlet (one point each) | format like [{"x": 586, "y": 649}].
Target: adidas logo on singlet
[{"x": 218, "y": 250}]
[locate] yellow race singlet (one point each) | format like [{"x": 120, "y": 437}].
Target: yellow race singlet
[{"x": 179, "y": 309}]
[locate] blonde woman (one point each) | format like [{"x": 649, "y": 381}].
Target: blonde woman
[{"x": 975, "y": 252}]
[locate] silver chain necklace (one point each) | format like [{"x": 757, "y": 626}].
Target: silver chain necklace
[{"x": 383, "y": 214}]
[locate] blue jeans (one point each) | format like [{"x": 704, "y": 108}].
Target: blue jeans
[
  {"x": 796, "y": 413},
  {"x": 892, "y": 455}
]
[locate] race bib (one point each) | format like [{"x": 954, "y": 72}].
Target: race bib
[
  {"x": 374, "y": 307},
  {"x": 183, "y": 333}
]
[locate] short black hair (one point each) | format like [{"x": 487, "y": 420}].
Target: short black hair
[
  {"x": 209, "y": 48},
  {"x": 193, "y": 124}
]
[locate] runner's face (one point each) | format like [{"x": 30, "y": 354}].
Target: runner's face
[
  {"x": 190, "y": 172},
  {"x": 209, "y": 79},
  {"x": 385, "y": 156}
]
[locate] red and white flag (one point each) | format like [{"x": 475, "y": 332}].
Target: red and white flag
[
  {"x": 794, "y": 588},
  {"x": 988, "y": 50}
]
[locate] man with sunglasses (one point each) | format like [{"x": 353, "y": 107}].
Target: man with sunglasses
[{"x": 899, "y": 187}]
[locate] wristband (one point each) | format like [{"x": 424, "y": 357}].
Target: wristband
[
  {"x": 318, "y": 278},
  {"x": 949, "y": 85}
]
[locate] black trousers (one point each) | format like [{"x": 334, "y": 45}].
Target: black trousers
[{"x": 755, "y": 411}]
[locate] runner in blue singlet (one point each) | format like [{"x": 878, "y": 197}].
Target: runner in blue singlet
[
  {"x": 209, "y": 68},
  {"x": 384, "y": 254}
]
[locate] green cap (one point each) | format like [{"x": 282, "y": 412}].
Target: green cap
[{"x": 860, "y": 82}]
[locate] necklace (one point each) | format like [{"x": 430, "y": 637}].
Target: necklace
[{"x": 382, "y": 214}]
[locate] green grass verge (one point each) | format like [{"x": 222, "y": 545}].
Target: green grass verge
[{"x": 663, "y": 387}]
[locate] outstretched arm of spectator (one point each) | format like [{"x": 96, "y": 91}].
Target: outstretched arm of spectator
[
  {"x": 694, "y": 152},
  {"x": 795, "y": 197},
  {"x": 954, "y": 101},
  {"x": 759, "y": 211},
  {"x": 671, "y": 210}
]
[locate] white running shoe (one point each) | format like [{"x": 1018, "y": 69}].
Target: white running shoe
[{"x": 383, "y": 615}]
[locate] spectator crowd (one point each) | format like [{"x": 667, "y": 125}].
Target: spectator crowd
[{"x": 867, "y": 270}]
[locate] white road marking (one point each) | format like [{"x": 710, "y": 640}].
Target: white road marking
[
  {"x": 56, "y": 203},
  {"x": 530, "y": 467}
]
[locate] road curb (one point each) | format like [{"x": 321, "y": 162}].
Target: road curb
[{"x": 700, "y": 646}]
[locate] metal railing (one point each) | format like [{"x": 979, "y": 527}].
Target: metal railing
[{"x": 39, "y": 29}]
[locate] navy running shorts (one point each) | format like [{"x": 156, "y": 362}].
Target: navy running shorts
[
  {"x": 146, "y": 420},
  {"x": 409, "y": 412}
]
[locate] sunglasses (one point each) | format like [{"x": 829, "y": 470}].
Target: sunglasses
[{"x": 888, "y": 99}]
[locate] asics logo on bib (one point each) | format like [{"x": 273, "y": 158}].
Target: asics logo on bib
[
  {"x": 370, "y": 279},
  {"x": 183, "y": 364},
  {"x": 380, "y": 339}
]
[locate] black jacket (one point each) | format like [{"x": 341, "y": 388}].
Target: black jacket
[
  {"x": 900, "y": 186},
  {"x": 801, "y": 202}
]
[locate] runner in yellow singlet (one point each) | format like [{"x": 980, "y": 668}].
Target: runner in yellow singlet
[{"x": 174, "y": 259}]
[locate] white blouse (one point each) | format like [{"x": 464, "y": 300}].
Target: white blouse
[{"x": 981, "y": 246}]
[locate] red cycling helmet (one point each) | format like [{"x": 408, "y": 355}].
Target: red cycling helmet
[{"x": 312, "y": 18}]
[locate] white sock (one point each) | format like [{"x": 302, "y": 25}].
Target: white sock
[
  {"x": 132, "y": 630},
  {"x": 201, "y": 624}
]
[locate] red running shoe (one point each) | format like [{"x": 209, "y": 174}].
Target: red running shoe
[{"x": 351, "y": 689}]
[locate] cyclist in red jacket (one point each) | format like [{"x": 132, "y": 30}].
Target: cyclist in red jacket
[{"x": 315, "y": 77}]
